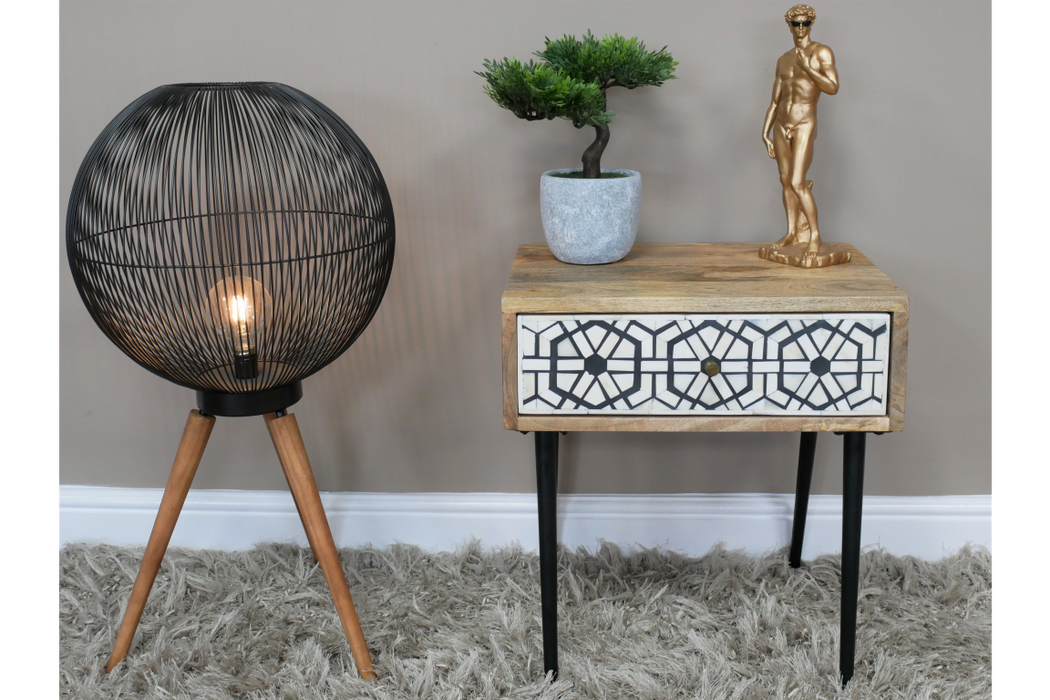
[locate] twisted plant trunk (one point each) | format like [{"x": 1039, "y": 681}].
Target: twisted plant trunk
[{"x": 592, "y": 157}]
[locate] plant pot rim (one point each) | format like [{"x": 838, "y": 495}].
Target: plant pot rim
[{"x": 626, "y": 171}]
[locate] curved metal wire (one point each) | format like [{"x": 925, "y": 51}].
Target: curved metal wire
[{"x": 212, "y": 222}]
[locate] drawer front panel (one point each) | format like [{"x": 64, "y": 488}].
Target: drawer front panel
[{"x": 689, "y": 364}]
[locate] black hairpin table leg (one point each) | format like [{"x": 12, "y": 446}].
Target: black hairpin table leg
[
  {"x": 852, "y": 500},
  {"x": 807, "y": 448},
  {"x": 547, "y": 500}
]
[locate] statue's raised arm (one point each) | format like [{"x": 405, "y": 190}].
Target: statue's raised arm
[{"x": 820, "y": 66}]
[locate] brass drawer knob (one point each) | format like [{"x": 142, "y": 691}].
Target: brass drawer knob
[{"x": 711, "y": 367}]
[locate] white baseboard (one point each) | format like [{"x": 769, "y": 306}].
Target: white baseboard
[{"x": 927, "y": 527}]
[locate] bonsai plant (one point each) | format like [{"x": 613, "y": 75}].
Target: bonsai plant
[
  {"x": 572, "y": 81},
  {"x": 590, "y": 216}
]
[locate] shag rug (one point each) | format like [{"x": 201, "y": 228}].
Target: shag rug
[{"x": 633, "y": 624}]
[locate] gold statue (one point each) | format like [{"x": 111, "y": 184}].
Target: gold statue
[{"x": 802, "y": 74}]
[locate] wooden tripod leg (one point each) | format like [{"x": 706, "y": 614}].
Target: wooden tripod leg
[
  {"x": 290, "y": 450},
  {"x": 291, "y": 487},
  {"x": 191, "y": 449}
]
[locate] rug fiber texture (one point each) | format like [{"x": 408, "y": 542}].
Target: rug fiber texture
[{"x": 652, "y": 624}]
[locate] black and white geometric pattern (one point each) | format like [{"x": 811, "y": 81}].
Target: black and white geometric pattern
[{"x": 785, "y": 364}]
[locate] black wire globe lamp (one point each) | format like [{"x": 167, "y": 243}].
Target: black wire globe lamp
[{"x": 233, "y": 238}]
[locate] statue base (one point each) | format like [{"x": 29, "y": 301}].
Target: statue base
[{"x": 795, "y": 255}]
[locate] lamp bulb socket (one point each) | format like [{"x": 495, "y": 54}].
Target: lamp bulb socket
[{"x": 246, "y": 366}]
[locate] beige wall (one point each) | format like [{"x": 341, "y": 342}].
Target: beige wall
[{"x": 902, "y": 170}]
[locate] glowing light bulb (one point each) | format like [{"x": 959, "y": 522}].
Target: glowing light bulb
[
  {"x": 240, "y": 306},
  {"x": 242, "y": 312}
]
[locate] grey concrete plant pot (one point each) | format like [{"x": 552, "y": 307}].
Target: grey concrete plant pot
[{"x": 590, "y": 222}]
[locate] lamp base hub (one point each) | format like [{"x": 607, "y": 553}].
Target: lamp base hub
[{"x": 250, "y": 403}]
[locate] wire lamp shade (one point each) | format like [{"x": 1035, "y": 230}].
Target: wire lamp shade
[{"x": 233, "y": 238}]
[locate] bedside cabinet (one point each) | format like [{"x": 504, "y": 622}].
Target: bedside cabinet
[{"x": 707, "y": 338}]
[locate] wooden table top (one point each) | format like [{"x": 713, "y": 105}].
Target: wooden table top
[{"x": 695, "y": 278}]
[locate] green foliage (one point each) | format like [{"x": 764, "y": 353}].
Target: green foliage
[
  {"x": 571, "y": 81},
  {"x": 610, "y": 61},
  {"x": 540, "y": 91}
]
